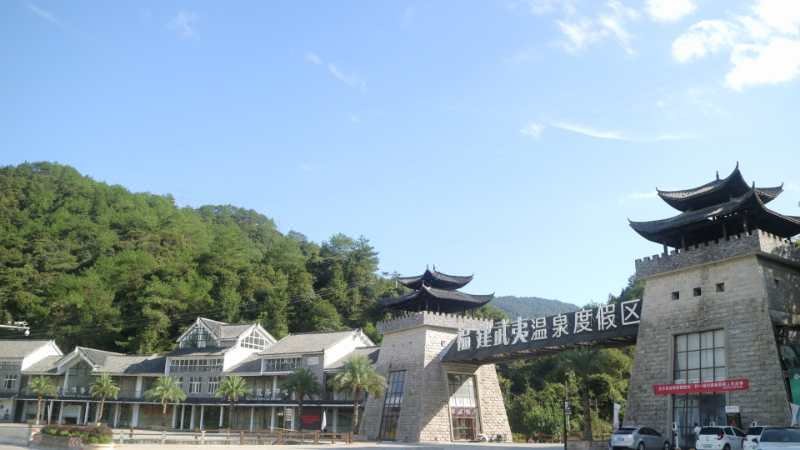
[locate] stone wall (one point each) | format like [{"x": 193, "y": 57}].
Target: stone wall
[
  {"x": 742, "y": 310},
  {"x": 416, "y": 343},
  {"x": 734, "y": 245}
]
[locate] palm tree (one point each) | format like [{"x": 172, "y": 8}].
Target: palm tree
[
  {"x": 103, "y": 387},
  {"x": 232, "y": 388},
  {"x": 359, "y": 376},
  {"x": 165, "y": 391},
  {"x": 41, "y": 387},
  {"x": 302, "y": 382}
]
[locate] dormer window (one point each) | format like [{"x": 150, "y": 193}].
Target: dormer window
[
  {"x": 255, "y": 341},
  {"x": 199, "y": 337}
]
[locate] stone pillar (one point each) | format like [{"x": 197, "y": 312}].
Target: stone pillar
[
  {"x": 221, "y": 413},
  {"x": 335, "y": 420},
  {"x": 116, "y": 414},
  {"x": 202, "y": 417},
  {"x": 274, "y": 386},
  {"x": 252, "y": 414},
  {"x": 50, "y": 412},
  {"x": 175, "y": 416},
  {"x": 60, "y": 412},
  {"x": 191, "y": 420},
  {"x": 183, "y": 414},
  {"x": 138, "y": 391},
  {"x": 86, "y": 414},
  {"x": 271, "y": 418},
  {"x": 135, "y": 416}
]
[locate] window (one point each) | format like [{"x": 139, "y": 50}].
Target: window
[
  {"x": 391, "y": 405},
  {"x": 195, "y": 365},
  {"x": 213, "y": 384},
  {"x": 282, "y": 364},
  {"x": 199, "y": 337},
  {"x": 195, "y": 385},
  {"x": 9, "y": 365},
  {"x": 720, "y": 287},
  {"x": 700, "y": 357},
  {"x": 463, "y": 406},
  {"x": 697, "y": 292},
  {"x": 676, "y": 295},
  {"x": 10, "y": 381},
  {"x": 255, "y": 341}
]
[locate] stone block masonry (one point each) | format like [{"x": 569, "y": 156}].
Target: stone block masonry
[
  {"x": 416, "y": 342},
  {"x": 730, "y": 286}
]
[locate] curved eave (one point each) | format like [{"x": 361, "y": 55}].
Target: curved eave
[
  {"x": 712, "y": 192},
  {"x": 436, "y": 279},
  {"x": 666, "y": 231},
  {"x": 436, "y": 299}
]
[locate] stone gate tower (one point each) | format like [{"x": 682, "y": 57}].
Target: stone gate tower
[
  {"x": 427, "y": 400},
  {"x": 717, "y": 337}
]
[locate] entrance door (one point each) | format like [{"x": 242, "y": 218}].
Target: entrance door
[{"x": 691, "y": 410}]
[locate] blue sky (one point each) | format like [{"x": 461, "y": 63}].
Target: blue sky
[{"x": 509, "y": 139}]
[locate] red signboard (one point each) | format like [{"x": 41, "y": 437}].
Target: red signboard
[{"x": 739, "y": 384}]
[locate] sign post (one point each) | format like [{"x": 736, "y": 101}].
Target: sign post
[{"x": 566, "y": 415}]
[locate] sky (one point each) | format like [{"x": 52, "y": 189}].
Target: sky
[{"x": 511, "y": 139}]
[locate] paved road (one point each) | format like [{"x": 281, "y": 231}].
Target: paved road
[{"x": 360, "y": 446}]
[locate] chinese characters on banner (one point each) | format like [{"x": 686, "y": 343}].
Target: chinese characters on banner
[
  {"x": 603, "y": 319},
  {"x": 706, "y": 387}
]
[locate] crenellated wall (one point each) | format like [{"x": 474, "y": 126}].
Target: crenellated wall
[
  {"x": 756, "y": 241},
  {"x": 408, "y": 320}
]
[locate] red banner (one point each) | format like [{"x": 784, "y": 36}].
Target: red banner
[{"x": 739, "y": 384}]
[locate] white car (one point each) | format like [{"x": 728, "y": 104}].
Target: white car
[
  {"x": 750, "y": 437},
  {"x": 720, "y": 438},
  {"x": 774, "y": 438}
]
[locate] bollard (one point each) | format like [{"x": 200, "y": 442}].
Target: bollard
[
  {"x": 202, "y": 437},
  {"x": 241, "y": 437}
]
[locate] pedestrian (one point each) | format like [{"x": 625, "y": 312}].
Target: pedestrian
[{"x": 696, "y": 430}]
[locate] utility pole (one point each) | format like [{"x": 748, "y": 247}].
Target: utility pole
[{"x": 566, "y": 415}]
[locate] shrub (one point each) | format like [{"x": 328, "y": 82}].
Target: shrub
[{"x": 92, "y": 434}]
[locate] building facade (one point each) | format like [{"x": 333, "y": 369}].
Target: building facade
[
  {"x": 208, "y": 351},
  {"x": 718, "y": 334}
]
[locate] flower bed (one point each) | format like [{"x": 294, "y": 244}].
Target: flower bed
[{"x": 75, "y": 436}]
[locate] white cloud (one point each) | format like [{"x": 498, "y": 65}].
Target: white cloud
[
  {"x": 764, "y": 46},
  {"x": 669, "y": 10},
  {"x": 184, "y": 24},
  {"x": 313, "y": 58},
  {"x": 44, "y": 14},
  {"x": 542, "y": 7},
  {"x": 351, "y": 79},
  {"x": 590, "y": 132},
  {"x": 616, "y": 135},
  {"x": 582, "y": 32},
  {"x": 532, "y": 130},
  {"x": 777, "y": 61},
  {"x": 702, "y": 39}
]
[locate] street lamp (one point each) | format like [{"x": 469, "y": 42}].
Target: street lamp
[{"x": 18, "y": 326}]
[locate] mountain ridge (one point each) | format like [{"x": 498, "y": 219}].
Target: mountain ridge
[{"x": 526, "y": 307}]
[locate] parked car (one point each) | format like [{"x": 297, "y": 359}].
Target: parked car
[
  {"x": 750, "y": 437},
  {"x": 778, "y": 438},
  {"x": 720, "y": 438},
  {"x": 638, "y": 438}
]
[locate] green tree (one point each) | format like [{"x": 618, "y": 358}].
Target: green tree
[
  {"x": 165, "y": 390},
  {"x": 103, "y": 388},
  {"x": 358, "y": 376},
  {"x": 301, "y": 383},
  {"x": 232, "y": 389},
  {"x": 41, "y": 387}
]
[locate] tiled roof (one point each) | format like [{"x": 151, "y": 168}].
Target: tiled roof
[
  {"x": 250, "y": 365},
  {"x": 134, "y": 364},
  {"x": 47, "y": 365},
  {"x": 307, "y": 342},
  {"x": 370, "y": 352},
  {"x": 97, "y": 357},
  {"x": 207, "y": 351},
  {"x": 19, "y": 348}
]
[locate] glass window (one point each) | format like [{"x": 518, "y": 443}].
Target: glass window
[
  {"x": 10, "y": 381},
  {"x": 282, "y": 364},
  {"x": 392, "y": 404},
  {"x": 463, "y": 406},
  {"x": 699, "y": 357}
]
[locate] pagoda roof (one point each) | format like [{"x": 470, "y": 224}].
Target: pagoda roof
[
  {"x": 716, "y": 192},
  {"x": 435, "y": 279},
  {"x": 433, "y": 299},
  {"x": 705, "y": 224}
]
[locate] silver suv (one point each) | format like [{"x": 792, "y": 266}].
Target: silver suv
[{"x": 638, "y": 438}]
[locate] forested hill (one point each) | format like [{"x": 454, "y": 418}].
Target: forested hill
[
  {"x": 528, "y": 307},
  {"x": 93, "y": 264}
]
